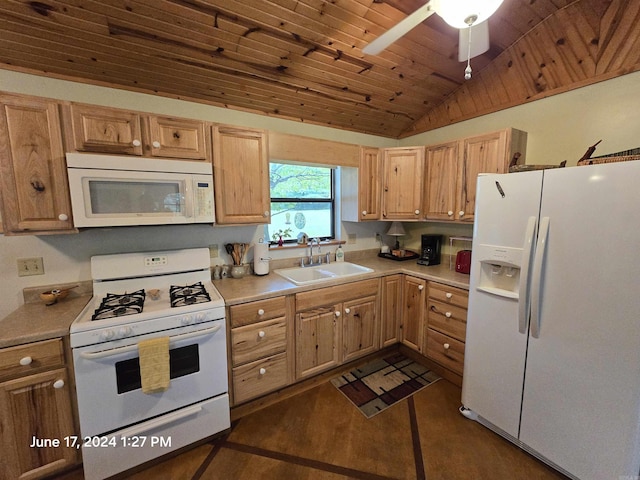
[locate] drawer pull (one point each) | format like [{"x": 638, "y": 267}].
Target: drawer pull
[
  {"x": 26, "y": 361},
  {"x": 263, "y": 371},
  {"x": 136, "y": 143},
  {"x": 420, "y": 287},
  {"x": 347, "y": 311},
  {"x": 446, "y": 346},
  {"x": 449, "y": 295},
  {"x": 447, "y": 314},
  {"x": 337, "y": 313},
  {"x": 156, "y": 144},
  {"x": 261, "y": 334},
  {"x": 261, "y": 312},
  {"x": 58, "y": 384}
]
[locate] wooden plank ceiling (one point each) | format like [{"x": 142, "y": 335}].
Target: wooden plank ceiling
[{"x": 302, "y": 59}]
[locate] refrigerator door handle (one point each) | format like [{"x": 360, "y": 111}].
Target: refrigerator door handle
[
  {"x": 523, "y": 296},
  {"x": 536, "y": 278}
]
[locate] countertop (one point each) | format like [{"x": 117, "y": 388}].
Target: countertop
[
  {"x": 235, "y": 291},
  {"x": 35, "y": 321}
]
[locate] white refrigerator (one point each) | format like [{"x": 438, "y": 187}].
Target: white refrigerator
[{"x": 552, "y": 356}]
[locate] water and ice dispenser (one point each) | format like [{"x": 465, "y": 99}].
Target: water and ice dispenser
[{"x": 499, "y": 270}]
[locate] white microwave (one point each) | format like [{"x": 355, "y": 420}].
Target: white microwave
[{"x": 110, "y": 191}]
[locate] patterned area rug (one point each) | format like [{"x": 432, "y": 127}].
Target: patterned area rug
[{"x": 383, "y": 382}]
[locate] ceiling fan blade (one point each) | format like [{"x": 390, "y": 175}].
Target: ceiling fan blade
[
  {"x": 479, "y": 41},
  {"x": 400, "y": 29}
]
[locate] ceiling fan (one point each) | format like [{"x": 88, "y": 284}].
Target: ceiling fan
[{"x": 469, "y": 16}]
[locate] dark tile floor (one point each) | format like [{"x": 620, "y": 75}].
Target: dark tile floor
[{"x": 319, "y": 434}]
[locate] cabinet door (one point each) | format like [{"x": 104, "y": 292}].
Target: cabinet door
[
  {"x": 35, "y": 406},
  {"x": 402, "y": 183},
  {"x": 481, "y": 154},
  {"x": 177, "y": 138},
  {"x": 360, "y": 327},
  {"x": 106, "y": 130},
  {"x": 33, "y": 176},
  {"x": 413, "y": 314},
  {"x": 241, "y": 176},
  {"x": 391, "y": 310},
  {"x": 317, "y": 340},
  {"x": 440, "y": 192},
  {"x": 369, "y": 184}
]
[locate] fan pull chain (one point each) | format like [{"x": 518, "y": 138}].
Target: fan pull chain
[{"x": 467, "y": 71}]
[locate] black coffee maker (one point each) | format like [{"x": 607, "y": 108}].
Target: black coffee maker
[{"x": 430, "y": 251}]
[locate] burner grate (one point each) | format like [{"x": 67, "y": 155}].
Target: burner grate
[
  {"x": 117, "y": 305},
  {"x": 188, "y": 295}
]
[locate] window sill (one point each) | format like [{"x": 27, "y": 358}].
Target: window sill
[{"x": 293, "y": 246}]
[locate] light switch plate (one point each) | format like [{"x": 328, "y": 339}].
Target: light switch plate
[{"x": 30, "y": 266}]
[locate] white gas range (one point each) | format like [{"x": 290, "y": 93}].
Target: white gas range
[{"x": 137, "y": 297}]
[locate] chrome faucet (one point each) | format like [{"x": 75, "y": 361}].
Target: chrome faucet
[{"x": 319, "y": 261}]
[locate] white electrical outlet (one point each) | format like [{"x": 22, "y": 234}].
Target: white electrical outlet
[
  {"x": 30, "y": 266},
  {"x": 213, "y": 251}
]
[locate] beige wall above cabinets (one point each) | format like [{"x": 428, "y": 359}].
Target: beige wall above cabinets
[
  {"x": 241, "y": 175},
  {"x": 33, "y": 176},
  {"x": 108, "y": 130}
]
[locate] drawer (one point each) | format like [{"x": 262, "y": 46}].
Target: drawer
[
  {"x": 445, "y": 350},
  {"x": 258, "y": 340},
  {"x": 447, "y": 319},
  {"x": 260, "y": 377},
  {"x": 449, "y": 295},
  {"x": 48, "y": 353},
  {"x": 257, "y": 311}
]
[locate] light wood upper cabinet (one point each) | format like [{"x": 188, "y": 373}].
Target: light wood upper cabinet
[
  {"x": 116, "y": 131},
  {"x": 103, "y": 130},
  {"x": 360, "y": 188},
  {"x": 441, "y": 182},
  {"x": 241, "y": 176},
  {"x": 33, "y": 181},
  {"x": 402, "y": 173},
  {"x": 453, "y": 169}
]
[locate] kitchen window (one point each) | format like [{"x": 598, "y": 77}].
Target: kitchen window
[{"x": 302, "y": 201}]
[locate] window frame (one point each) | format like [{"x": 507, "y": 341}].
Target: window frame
[{"x": 331, "y": 201}]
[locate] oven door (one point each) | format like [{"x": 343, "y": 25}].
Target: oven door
[{"x": 108, "y": 377}]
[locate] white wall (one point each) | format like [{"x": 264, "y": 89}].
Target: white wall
[{"x": 560, "y": 127}]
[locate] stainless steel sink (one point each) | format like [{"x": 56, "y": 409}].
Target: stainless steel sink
[{"x": 319, "y": 273}]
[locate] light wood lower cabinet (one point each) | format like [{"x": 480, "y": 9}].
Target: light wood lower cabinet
[
  {"x": 335, "y": 325},
  {"x": 391, "y": 310},
  {"x": 446, "y": 325},
  {"x": 259, "y": 338},
  {"x": 413, "y": 312},
  {"x": 35, "y": 401}
]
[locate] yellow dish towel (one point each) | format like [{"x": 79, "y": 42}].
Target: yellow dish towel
[{"x": 154, "y": 364}]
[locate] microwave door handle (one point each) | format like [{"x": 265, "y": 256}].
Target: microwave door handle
[
  {"x": 188, "y": 198},
  {"x": 130, "y": 348}
]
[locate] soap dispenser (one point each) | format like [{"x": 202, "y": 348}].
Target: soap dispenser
[{"x": 339, "y": 254}]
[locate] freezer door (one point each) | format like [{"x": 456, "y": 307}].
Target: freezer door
[
  {"x": 581, "y": 401},
  {"x": 506, "y": 216}
]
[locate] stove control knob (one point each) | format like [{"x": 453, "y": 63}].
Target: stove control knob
[
  {"x": 201, "y": 317},
  {"x": 124, "y": 332},
  {"x": 187, "y": 320},
  {"x": 107, "y": 335}
]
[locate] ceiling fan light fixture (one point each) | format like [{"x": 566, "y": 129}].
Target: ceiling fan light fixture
[{"x": 464, "y": 13}]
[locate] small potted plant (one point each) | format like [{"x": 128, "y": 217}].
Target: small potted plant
[{"x": 277, "y": 236}]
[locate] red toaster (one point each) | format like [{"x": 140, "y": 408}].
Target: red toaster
[{"x": 463, "y": 261}]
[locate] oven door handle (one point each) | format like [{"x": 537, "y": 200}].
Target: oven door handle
[
  {"x": 160, "y": 421},
  {"x": 130, "y": 348}
]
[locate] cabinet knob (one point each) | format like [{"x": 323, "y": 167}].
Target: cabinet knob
[
  {"x": 26, "y": 361},
  {"x": 347, "y": 311},
  {"x": 260, "y": 311},
  {"x": 58, "y": 383},
  {"x": 417, "y": 212},
  {"x": 446, "y": 346},
  {"x": 420, "y": 287},
  {"x": 63, "y": 217},
  {"x": 448, "y": 294},
  {"x": 364, "y": 213},
  {"x": 266, "y": 213},
  {"x": 447, "y": 314},
  {"x": 261, "y": 334},
  {"x": 450, "y": 213},
  {"x": 461, "y": 213},
  {"x": 337, "y": 313},
  {"x": 136, "y": 143},
  {"x": 263, "y": 371},
  {"x": 156, "y": 144}
]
